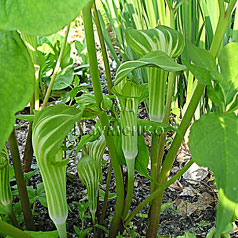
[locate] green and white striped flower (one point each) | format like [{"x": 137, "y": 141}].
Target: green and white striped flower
[
  {"x": 96, "y": 150},
  {"x": 50, "y": 128},
  {"x": 5, "y": 190},
  {"x": 144, "y": 42},
  {"x": 128, "y": 94},
  {"x": 90, "y": 171}
]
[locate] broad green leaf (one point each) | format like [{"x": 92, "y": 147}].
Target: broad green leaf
[
  {"x": 154, "y": 59},
  {"x": 142, "y": 159},
  {"x": 161, "y": 38},
  {"x": 213, "y": 143},
  {"x": 225, "y": 233},
  {"x": 228, "y": 61},
  {"x": 187, "y": 235},
  {"x": 203, "y": 58},
  {"x": 41, "y": 234},
  {"x": 102, "y": 195},
  {"x": 38, "y": 17},
  {"x": 234, "y": 104},
  {"x": 50, "y": 128},
  {"x": 144, "y": 92},
  {"x": 64, "y": 78},
  {"x": 216, "y": 94},
  {"x": 16, "y": 80},
  {"x": 200, "y": 73},
  {"x": 88, "y": 101},
  {"x": 41, "y": 194},
  {"x": 23, "y": 117}
]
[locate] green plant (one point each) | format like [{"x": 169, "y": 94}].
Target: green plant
[
  {"x": 82, "y": 209},
  {"x": 156, "y": 59}
]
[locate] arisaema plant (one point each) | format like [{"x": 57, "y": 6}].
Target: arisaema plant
[
  {"x": 163, "y": 39},
  {"x": 50, "y": 128},
  {"x": 128, "y": 95},
  {"x": 5, "y": 190},
  {"x": 90, "y": 171}
]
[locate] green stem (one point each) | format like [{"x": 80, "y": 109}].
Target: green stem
[
  {"x": 57, "y": 67},
  {"x": 162, "y": 139},
  {"x": 130, "y": 185},
  {"x": 87, "y": 18},
  {"x": 157, "y": 192},
  {"x": 103, "y": 47},
  {"x": 104, "y": 208},
  {"x": 61, "y": 230},
  {"x": 28, "y": 152},
  {"x": 221, "y": 7},
  {"x": 12, "y": 231},
  {"x": 154, "y": 160},
  {"x": 26, "y": 208},
  {"x": 230, "y": 8},
  {"x": 12, "y": 216},
  {"x": 37, "y": 88}
]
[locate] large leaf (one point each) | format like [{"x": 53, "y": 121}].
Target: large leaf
[
  {"x": 201, "y": 74},
  {"x": 154, "y": 59},
  {"x": 204, "y": 59},
  {"x": 142, "y": 159},
  {"x": 16, "y": 80},
  {"x": 228, "y": 61},
  {"x": 41, "y": 234},
  {"x": 50, "y": 128},
  {"x": 64, "y": 78},
  {"x": 38, "y": 17},
  {"x": 213, "y": 143}
]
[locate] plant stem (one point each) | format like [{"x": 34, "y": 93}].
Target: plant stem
[
  {"x": 28, "y": 152},
  {"x": 12, "y": 231},
  {"x": 57, "y": 67},
  {"x": 26, "y": 208},
  {"x": 130, "y": 185},
  {"x": 220, "y": 31},
  {"x": 162, "y": 138},
  {"x": 104, "y": 208},
  {"x": 103, "y": 47},
  {"x": 157, "y": 192},
  {"x": 12, "y": 215},
  {"x": 87, "y": 19},
  {"x": 37, "y": 88},
  {"x": 62, "y": 230},
  {"x": 154, "y": 160}
]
